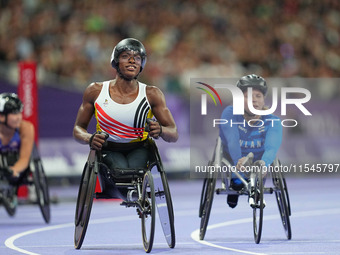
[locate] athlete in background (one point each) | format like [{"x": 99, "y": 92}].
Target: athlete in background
[
  {"x": 16, "y": 145},
  {"x": 240, "y": 139},
  {"x": 16, "y": 135}
]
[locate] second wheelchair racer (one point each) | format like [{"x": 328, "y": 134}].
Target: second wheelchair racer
[
  {"x": 16, "y": 135},
  {"x": 16, "y": 144},
  {"x": 238, "y": 140}
]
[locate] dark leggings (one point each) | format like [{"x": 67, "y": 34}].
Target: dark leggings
[{"x": 136, "y": 158}]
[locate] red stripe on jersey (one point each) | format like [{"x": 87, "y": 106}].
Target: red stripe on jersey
[
  {"x": 122, "y": 132},
  {"x": 103, "y": 121},
  {"x": 101, "y": 111},
  {"x": 112, "y": 132}
]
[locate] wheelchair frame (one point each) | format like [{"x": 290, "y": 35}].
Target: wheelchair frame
[
  {"x": 254, "y": 186},
  {"x": 152, "y": 191},
  {"x": 33, "y": 175}
]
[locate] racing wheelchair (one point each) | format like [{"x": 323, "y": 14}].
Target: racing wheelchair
[
  {"x": 253, "y": 187},
  {"x": 33, "y": 175},
  {"x": 145, "y": 189}
]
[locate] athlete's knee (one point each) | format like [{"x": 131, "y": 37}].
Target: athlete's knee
[{"x": 138, "y": 158}]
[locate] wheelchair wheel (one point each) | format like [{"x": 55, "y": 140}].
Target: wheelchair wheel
[
  {"x": 281, "y": 195},
  {"x": 84, "y": 202},
  {"x": 207, "y": 197},
  {"x": 10, "y": 201},
  {"x": 285, "y": 188},
  {"x": 148, "y": 213},
  {"x": 203, "y": 196},
  {"x": 258, "y": 208},
  {"x": 41, "y": 188},
  {"x": 165, "y": 209},
  {"x": 286, "y": 191}
]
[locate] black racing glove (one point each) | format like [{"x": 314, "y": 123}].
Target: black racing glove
[{"x": 6, "y": 172}]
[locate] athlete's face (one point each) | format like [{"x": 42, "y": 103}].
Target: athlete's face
[
  {"x": 130, "y": 63},
  {"x": 257, "y": 100},
  {"x": 14, "y": 120}
]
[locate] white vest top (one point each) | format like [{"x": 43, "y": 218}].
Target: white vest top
[{"x": 123, "y": 122}]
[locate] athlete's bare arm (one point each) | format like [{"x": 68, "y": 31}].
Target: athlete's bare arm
[
  {"x": 26, "y": 131},
  {"x": 84, "y": 116},
  {"x": 163, "y": 115}
]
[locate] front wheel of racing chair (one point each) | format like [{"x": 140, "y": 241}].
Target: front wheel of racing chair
[
  {"x": 7, "y": 191},
  {"x": 147, "y": 211},
  {"x": 257, "y": 193},
  {"x": 10, "y": 201},
  {"x": 282, "y": 198}
]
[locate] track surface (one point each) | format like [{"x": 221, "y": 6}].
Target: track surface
[{"x": 114, "y": 229}]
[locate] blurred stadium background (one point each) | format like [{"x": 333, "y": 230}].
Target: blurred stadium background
[{"x": 71, "y": 42}]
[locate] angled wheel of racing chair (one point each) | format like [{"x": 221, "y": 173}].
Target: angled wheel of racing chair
[
  {"x": 149, "y": 185},
  {"x": 8, "y": 194},
  {"x": 33, "y": 175},
  {"x": 282, "y": 197},
  {"x": 253, "y": 187}
]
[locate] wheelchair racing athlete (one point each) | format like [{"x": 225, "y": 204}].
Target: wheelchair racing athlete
[
  {"x": 121, "y": 107},
  {"x": 239, "y": 140},
  {"x": 16, "y": 139}
]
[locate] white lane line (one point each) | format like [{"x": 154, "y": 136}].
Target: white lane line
[
  {"x": 9, "y": 243},
  {"x": 295, "y": 253},
  {"x": 195, "y": 234}
]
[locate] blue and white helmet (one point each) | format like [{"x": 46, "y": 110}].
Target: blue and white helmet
[{"x": 10, "y": 103}]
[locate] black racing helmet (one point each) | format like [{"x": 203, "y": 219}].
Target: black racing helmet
[
  {"x": 128, "y": 44},
  {"x": 10, "y": 103},
  {"x": 254, "y": 81}
]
